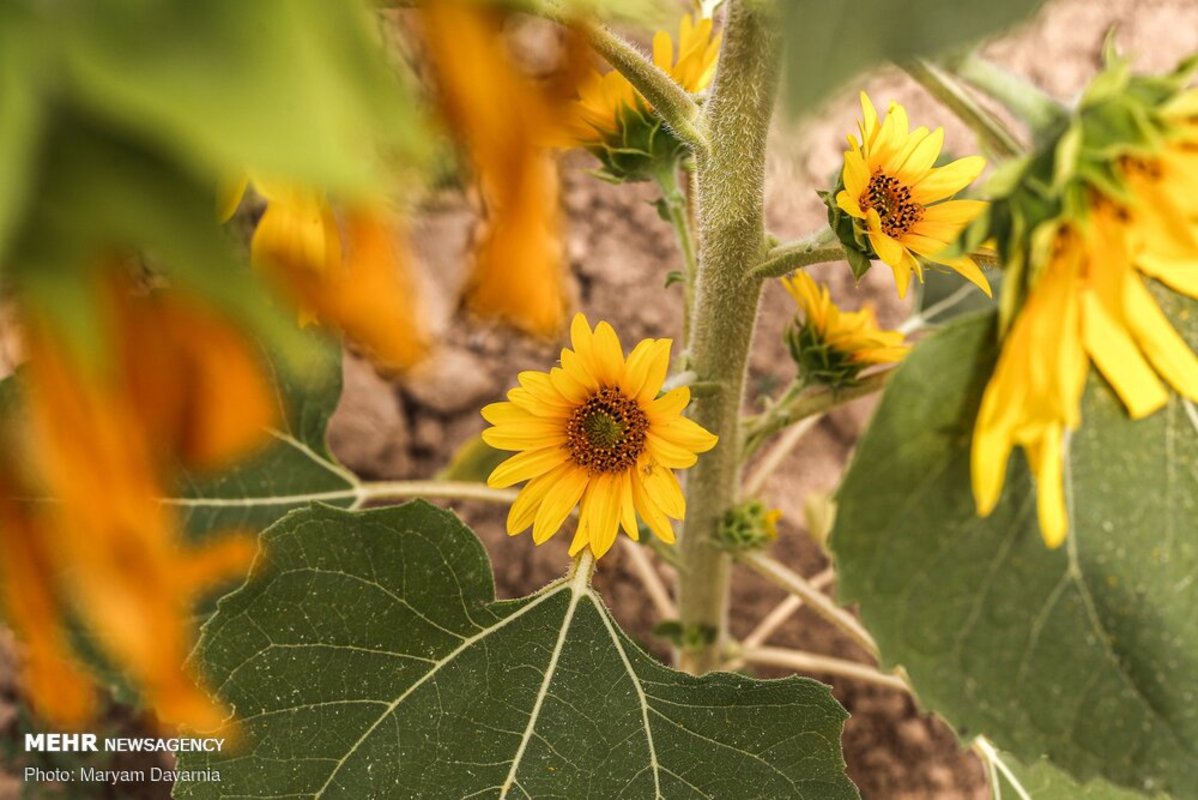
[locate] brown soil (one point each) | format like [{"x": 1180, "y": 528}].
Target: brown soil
[{"x": 620, "y": 254}]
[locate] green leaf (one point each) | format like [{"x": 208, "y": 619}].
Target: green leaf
[
  {"x": 293, "y": 88},
  {"x": 21, "y": 112},
  {"x": 474, "y": 461},
  {"x": 830, "y": 43},
  {"x": 1087, "y": 654},
  {"x": 366, "y": 656},
  {"x": 101, "y": 193},
  {"x": 1043, "y": 781}
]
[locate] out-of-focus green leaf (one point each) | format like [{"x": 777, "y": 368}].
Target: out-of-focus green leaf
[
  {"x": 830, "y": 43},
  {"x": 945, "y": 294},
  {"x": 474, "y": 461},
  {"x": 1012, "y": 780},
  {"x": 1087, "y": 654},
  {"x": 20, "y": 115},
  {"x": 98, "y": 195},
  {"x": 293, "y": 88},
  {"x": 366, "y": 656}
]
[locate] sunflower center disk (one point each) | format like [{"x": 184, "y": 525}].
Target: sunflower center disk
[
  {"x": 892, "y": 200},
  {"x": 607, "y": 432}
]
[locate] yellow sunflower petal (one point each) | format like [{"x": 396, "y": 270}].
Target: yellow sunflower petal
[
  {"x": 1168, "y": 352},
  {"x": 525, "y": 466},
  {"x": 1045, "y": 460},
  {"x": 663, "y": 489},
  {"x": 558, "y": 503},
  {"x": 1120, "y": 361},
  {"x": 687, "y": 434},
  {"x": 666, "y": 452},
  {"x": 946, "y": 181},
  {"x": 627, "y": 507},
  {"x": 653, "y": 516},
  {"x": 601, "y": 511}
]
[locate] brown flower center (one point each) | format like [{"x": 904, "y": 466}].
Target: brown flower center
[
  {"x": 892, "y": 200},
  {"x": 607, "y": 432}
]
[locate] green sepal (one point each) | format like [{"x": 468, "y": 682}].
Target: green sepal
[
  {"x": 819, "y": 363},
  {"x": 858, "y": 251},
  {"x": 748, "y": 525},
  {"x": 638, "y": 149}
]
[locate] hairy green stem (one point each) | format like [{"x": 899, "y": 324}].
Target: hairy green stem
[
  {"x": 816, "y": 248},
  {"x": 992, "y": 134},
  {"x": 730, "y": 177},
  {"x": 675, "y": 206},
  {"x": 798, "y": 405},
  {"x": 1026, "y": 101},
  {"x": 669, "y": 100}
]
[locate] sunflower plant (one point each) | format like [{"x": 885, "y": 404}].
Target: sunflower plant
[{"x": 205, "y": 205}]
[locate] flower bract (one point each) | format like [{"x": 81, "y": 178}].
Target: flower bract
[{"x": 832, "y": 346}]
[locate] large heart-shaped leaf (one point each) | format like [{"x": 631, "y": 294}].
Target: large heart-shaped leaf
[
  {"x": 366, "y": 656},
  {"x": 1087, "y": 654}
]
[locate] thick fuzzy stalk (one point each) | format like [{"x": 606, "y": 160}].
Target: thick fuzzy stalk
[{"x": 730, "y": 177}]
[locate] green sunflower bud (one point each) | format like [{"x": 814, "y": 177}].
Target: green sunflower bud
[{"x": 747, "y": 526}]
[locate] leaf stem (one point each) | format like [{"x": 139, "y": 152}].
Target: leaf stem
[
  {"x": 778, "y": 453},
  {"x": 670, "y": 101},
  {"x": 818, "y": 247},
  {"x": 991, "y": 133},
  {"x": 1022, "y": 98},
  {"x": 799, "y": 405},
  {"x": 783, "y": 611},
  {"x": 801, "y": 661},
  {"x": 459, "y": 490},
  {"x": 777, "y": 572}
]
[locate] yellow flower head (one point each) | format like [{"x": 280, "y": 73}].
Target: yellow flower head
[
  {"x": 594, "y": 432},
  {"x": 900, "y": 199},
  {"x": 832, "y": 346},
  {"x": 1083, "y": 300},
  {"x": 613, "y": 120}
]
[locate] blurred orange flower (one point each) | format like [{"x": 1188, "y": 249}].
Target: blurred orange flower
[
  {"x": 507, "y": 123},
  {"x": 105, "y": 439},
  {"x": 350, "y": 272}
]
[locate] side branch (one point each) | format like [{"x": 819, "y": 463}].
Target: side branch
[
  {"x": 806, "y": 404},
  {"x": 669, "y": 100},
  {"x": 776, "y": 572},
  {"x": 817, "y": 248}
]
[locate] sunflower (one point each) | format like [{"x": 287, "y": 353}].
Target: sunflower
[
  {"x": 1087, "y": 302},
  {"x": 595, "y": 432},
  {"x": 899, "y": 199},
  {"x": 616, "y": 124},
  {"x": 832, "y": 346},
  {"x": 1090, "y": 304}
]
